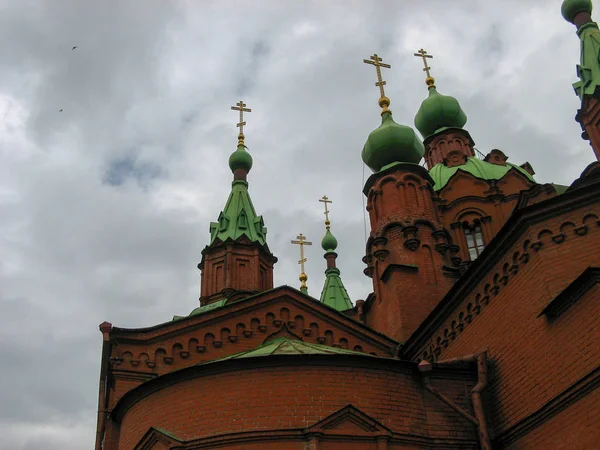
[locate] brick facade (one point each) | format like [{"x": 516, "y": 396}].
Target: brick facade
[{"x": 481, "y": 330}]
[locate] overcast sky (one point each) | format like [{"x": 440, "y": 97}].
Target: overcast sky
[{"x": 105, "y": 206}]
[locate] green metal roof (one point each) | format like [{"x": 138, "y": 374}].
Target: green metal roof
[
  {"x": 588, "y": 69},
  {"x": 287, "y": 346},
  {"x": 239, "y": 218},
  {"x": 560, "y": 188},
  {"x": 334, "y": 293},
  {"x": 441, "y": 174},
  {"x": 203, "y": 309}
]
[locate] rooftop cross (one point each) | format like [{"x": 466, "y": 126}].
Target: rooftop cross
[
  {"x": 241, "y": 107},
  {"x": 301, "y": 241},
  {"x": 326, "y": 200},
  {"x": 423, "y": 54},
  {"x": 376, "y": 61}
]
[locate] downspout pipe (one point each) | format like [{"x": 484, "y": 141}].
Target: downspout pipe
[
  {"x": 105, "y": 328},
  {"x": 482, "y": 381}
]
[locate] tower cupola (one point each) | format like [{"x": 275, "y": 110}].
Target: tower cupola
[{"x": 237, "y": 260}]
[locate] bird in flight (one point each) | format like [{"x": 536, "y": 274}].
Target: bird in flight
[
  {"x": 60, "y": 110},
  {"x": 73, "y": 48}
]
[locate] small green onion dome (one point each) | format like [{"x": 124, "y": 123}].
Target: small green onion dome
[
  {"x": 439, "y": 111},
  {"x": 329, "y": 242},
  {"x": 570, "y": 8},
  {"x": 240, "y": 159},
  {"x": 391, "y": 143}
]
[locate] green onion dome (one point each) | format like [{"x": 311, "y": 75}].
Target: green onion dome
[
  {"x": 439, "y": 112},
  {"x": 570, "y": 8},
  {"x": 391, "y": 143},
  {"x": 240, "y": 159},
  {"x": 329, "y": 242}
]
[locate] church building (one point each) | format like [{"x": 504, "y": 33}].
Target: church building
[{"x": 481, "y": 330}]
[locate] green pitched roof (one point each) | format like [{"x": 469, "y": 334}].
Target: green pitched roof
[
  {"x": 334, "y": 293},
  {"x": 286, "y": 346},
  {"x": 441, "y": 174},
  {"x": 203, "y": 309},
  {"x": 589, "y": 68},
  {"x": 560, "y": 188},
  {"x": 239, "y": 218}
]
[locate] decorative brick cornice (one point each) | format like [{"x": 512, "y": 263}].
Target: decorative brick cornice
[{"x": 510, "y": 234}]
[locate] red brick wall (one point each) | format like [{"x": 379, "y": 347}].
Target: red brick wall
[
  {"x": 533, "y": 359},
  {"x": 576, "y": 428},
  {"x": 274, "y": 398},
  {"x": 279, "y": 398}
]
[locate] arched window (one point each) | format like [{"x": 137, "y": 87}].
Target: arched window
[{"x": 474, "y": 237}]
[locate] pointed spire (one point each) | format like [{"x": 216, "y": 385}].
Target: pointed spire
[
  {"x": 237, "y": 261},
  {"x": 579, "y": 13},
  {"x": 239, "y": 216},
  {"x": 301, "y": 241},
  {"x": 334, "y": 293}
]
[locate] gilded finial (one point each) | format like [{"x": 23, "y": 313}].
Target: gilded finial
[
  {"x": 241, "y": 107},
  {"x": 430, "y": 81},
  {"x": 301, "y": 241},
  {"x": 326, "y": 200},
  {"x": 376, "y": 61}
]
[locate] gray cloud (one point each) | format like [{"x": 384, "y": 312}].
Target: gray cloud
[{"x": 105, "y": 206}]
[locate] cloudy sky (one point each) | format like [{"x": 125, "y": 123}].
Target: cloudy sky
[{"x": 105, "y": 206}]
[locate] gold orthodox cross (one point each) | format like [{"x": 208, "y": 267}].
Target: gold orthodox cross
[
  {"x": 301, "y": 241},
  {"x": 326, "y": 200},
  {"x": 423, "y": 54},
  {"x": 376, "y": 61},
  {"x": 241, "y": 107}
]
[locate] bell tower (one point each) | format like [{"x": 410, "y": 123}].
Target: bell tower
[
  {"x": 237, "y": 262},
  {"x": 408, "y": 253}
]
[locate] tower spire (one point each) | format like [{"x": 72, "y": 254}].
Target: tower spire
[
  {"x": 301, "y": 241},
  {"x": 238, "y": 237},
  {"x": 579, "y": 13},
  {"x": 375, "y": 60},
  {"x": 334, "y": 293}
]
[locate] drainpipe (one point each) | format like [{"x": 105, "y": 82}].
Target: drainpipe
[
  {"x": 482, "y": 380},
  {"x": 105, "y": 328}
]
